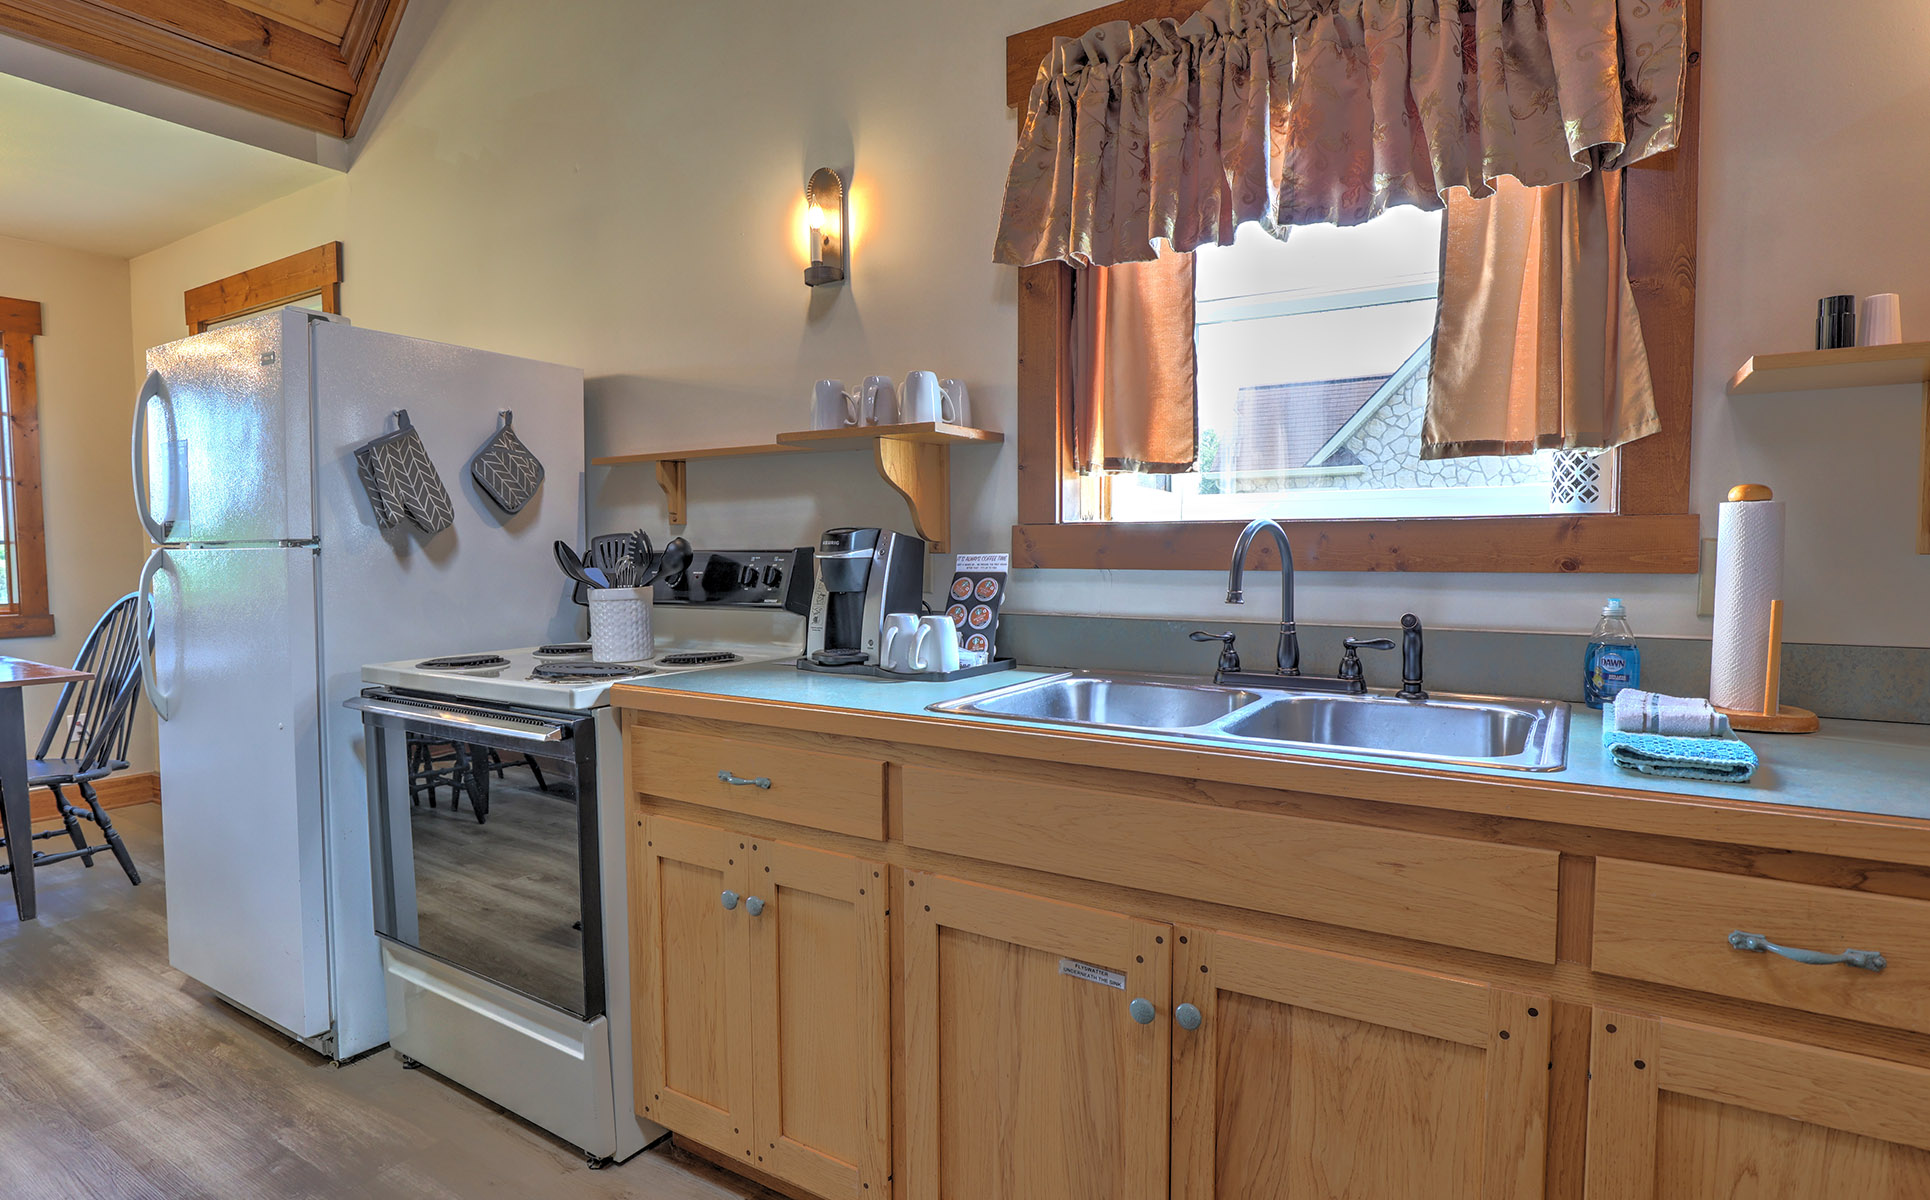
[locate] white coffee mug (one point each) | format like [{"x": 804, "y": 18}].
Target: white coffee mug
[
  {"x": 879, "y": 401},
  {"x": 898, "y": 647},
  {"x": 1882, "y": 323},
  {"x": 937, "y": 645},
  {"x": 831, "y": 406},
  {"x": 957, "y": 406},
  {"x": 922, "y": 401}
]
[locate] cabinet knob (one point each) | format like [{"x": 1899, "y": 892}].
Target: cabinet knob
[
  {"x": 754, "y": 906},
  {"x": 1142, "y": 1010},
  {"x": 1189, "y": 1017},
  {"x": 730, "y": 899}
]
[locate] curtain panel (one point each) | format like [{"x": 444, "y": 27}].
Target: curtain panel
[
  {"x": 1135, "y": 377},
  {"x": 1301, "y": 112}
]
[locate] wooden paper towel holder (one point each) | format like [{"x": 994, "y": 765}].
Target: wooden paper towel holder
[{"x": 1775, "y": 717}]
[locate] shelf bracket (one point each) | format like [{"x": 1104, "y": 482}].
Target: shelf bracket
[
  {"x": 921, "y": 472},
  {"x": 670, "y": 477}
]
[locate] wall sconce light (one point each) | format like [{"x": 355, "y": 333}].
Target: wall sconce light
[{"x": 829, "y": 217}]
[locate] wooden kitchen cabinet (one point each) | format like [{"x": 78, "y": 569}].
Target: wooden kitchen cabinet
[
  {"x": 1028, "y": 1074},
  {"x": 1683, "y": 1110},
  {"x": 1312, "y": 1073},
  {"x": 763, "y": 1022}
]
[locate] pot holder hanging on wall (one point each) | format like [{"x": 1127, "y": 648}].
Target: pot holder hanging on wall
[
  {"x": 401, "y": 481},
  {"x": 505, "y": 469}
]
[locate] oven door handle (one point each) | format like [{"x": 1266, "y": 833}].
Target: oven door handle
[{"x": 458, "y": 719}]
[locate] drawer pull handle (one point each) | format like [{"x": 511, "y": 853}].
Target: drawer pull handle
[
  {"x": 1756, "y": 943},
  {"x": 740, "y": 781},
  {"x": 1189, "y": 1017},
  {"x": 1142, "y": 1011}
]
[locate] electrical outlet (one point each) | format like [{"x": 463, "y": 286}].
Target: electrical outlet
[{"x": 1705, "y": 591}]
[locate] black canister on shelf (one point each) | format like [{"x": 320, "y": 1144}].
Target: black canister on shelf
[{"x": 1835, "y": 322}]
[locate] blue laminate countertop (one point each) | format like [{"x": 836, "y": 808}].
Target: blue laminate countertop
[{"x": 1848, "y": 767}]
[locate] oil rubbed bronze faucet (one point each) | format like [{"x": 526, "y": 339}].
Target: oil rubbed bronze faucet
[{"x": 1349, "y": 679}]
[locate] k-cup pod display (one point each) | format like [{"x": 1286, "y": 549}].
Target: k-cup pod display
[{"x": 973, "y": 602}]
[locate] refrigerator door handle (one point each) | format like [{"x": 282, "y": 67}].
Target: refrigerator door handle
[
  {"x": 160, "y": 698},
  {"x": 154, "y": 389}
]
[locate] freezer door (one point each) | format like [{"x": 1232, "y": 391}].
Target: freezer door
[
  {"x": 241, "y": 775},
  {"x": 223, "y": 434}
]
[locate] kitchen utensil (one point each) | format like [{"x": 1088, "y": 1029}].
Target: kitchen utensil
[
  {"x": 921, "y": 402},
  {"x": 831, "y": 406},
  {"x": 572, "y": 565},
  {"x": 878, "y": 403},
  {"x": 675, "y": 561},
  {"x": 957, "y": 406},
  {"x": 1882, "y": 320},
  {"x": 640, "y": 561}
]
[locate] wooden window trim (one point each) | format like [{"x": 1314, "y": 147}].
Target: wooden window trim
[
  {"x": 278, "y": 282},
  {"x": 32, "y": 616},
  {"x": 1652, "y": 530}
]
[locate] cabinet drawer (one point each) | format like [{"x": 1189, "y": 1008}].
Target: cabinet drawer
[
  {"x": 1452, "y": 891},
  {"x": 842, "y": 793},
  {"x": 1672, "y": 924}
]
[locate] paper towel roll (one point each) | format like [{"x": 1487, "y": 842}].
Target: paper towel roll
[{"x": 1749, "y": 575}]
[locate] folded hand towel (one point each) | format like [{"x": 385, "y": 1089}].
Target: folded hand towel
[
  {"x": 1721, "y": 759},
  {"x": 1650, "y": 712}
]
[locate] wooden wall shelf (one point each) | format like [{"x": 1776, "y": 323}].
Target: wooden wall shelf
[
  {"x": 916, "y": 460},
  {"x": 1852, "y": 367}
]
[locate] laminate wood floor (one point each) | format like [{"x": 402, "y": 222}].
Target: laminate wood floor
[{"x": 121, "y": 1077}]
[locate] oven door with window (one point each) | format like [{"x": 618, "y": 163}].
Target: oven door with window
[{"x": 484, "y": 829}]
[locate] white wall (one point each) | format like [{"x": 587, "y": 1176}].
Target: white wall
[
  {"x": 94, "y": 544},
  {"x": 617, "y": 185}
]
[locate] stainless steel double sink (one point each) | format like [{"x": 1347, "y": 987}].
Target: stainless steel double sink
[{"x": 1522, "y": 735}]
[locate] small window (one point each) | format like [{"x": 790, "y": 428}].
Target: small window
[
  {"x": 1313, "y": 369},
  {"x": 23, "y": 548}
]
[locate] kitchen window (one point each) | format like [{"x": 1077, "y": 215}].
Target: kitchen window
[
  {"x": 23, "y": 546},
  {"x": 1313, "y": 358},
  {"x": 1322, "y": 488}
]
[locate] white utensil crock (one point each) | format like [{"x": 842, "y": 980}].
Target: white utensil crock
[{"x": 620, "y": 629}]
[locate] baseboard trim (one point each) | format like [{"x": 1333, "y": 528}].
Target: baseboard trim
[{"x": 115, "y": 791}]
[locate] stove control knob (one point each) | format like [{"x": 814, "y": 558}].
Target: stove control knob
[
  {"x": 773, "y": 575},
  {"x": 749, "y": 577}
]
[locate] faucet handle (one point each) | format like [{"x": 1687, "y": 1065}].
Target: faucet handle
[
  {"x": 1350, "y": 668},
  {"x": 1229, "y": 657},
  {"x": 1369, "y": 644}
]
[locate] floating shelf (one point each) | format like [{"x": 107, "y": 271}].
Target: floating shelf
[
  {"x": 916, "y": 460},
  {"x": 1852, "y": 367}
]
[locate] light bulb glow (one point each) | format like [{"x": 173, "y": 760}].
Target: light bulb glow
[{"x": 816, "y": 217}]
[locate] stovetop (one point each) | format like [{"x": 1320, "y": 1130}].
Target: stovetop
[{"x": 552, "y": 677}]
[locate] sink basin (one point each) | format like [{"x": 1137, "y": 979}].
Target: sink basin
[
  {"x": 1532, "y": 735},
  {"x": 1108, "y": 701},
  {"x": 1522, "y": 735}
]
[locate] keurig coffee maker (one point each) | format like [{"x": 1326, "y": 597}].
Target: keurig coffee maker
[{"x": 863, "y": 575}]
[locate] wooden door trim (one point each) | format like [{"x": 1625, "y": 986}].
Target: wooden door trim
[{"x": 317, "y": 270}]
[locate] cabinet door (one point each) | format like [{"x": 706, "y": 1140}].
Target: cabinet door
[
  {"x": 1310, "y": 1073},
  {"x": 821, "y": 1020},
  {"x": 1676, "y": 1109},
  {"x": 1028, "y": 1075},
  {"x": 689, "y": 933}
]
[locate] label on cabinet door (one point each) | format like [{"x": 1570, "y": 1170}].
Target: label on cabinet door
[{"x": 1093, "y": 974}]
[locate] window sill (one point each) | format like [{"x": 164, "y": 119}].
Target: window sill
[
  {"x": 1605, "y": 543},
  {"x": 17, "y": 626}
]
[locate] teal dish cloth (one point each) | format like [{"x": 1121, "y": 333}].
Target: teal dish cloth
[{"x": 1718, "y": 759}]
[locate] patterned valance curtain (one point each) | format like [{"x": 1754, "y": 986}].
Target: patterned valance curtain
[{"x": 1300, "y": 112}]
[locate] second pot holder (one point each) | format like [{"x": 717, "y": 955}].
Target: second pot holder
[
  {"x": 401, "y": 481},
  {"x": 505, "y": 469}
]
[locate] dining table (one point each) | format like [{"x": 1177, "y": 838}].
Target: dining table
[{"x": 16, "y": 812}]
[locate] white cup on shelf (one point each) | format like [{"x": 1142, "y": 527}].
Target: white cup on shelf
[
  {"x": 831, "y": 406},
  {"x": 878, "y": 401},
  {"x": 921, "y": 401},
  {"x": 956, "y": 408},
  {"x": 1882, "y": 323}
]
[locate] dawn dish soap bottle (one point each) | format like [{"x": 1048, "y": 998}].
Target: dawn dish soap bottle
[{"x": 1614, "y": 660}]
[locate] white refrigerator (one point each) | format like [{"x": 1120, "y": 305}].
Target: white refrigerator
[{"x": 272, "y": 587}]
